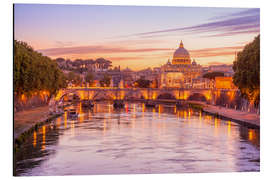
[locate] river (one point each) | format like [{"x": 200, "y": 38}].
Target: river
[{"x": 137, "y": 140}]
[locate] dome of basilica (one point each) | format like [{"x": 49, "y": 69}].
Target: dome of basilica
[{"x": 181, "y": 55}]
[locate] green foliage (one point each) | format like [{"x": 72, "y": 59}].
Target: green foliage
[
  {"x": 74, "y": 78},
  {"x": 89, "y": 78},
  {"x": 142, "y": 83},
  {"x": 212, "y": 75},
  {"x": 34, "y": 72},
  {"x": 247, "y": 70},
  {"x": 105, "y": 81}
]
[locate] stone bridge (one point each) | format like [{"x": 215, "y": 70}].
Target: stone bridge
[{"x": 210, "y": 95}]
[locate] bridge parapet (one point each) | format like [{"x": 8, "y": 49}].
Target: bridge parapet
[{"x": 145, "y": 93}]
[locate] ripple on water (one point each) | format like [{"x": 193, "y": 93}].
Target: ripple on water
[{"x": 106, "y": 141}]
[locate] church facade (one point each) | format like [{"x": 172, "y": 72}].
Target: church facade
[{"x": 181, "y": 71}]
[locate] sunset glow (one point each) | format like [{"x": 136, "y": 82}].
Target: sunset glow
[{"x": 133, "y": 36}]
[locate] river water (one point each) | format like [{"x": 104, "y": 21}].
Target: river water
[{"x": 136, "y": 140}]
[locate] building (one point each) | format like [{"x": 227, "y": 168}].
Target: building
[
  {"x": 201, "y": 83},
  {"x": 181, "y": 71},
  {"x": 226, "y": 69},
  {"x": 224, "y": 83}
]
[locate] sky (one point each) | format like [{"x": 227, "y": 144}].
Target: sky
[{"x": 136, "y": 37}]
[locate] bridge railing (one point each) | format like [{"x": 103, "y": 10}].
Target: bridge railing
[{"x": 116, "y": 88}]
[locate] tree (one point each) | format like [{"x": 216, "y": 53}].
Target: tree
[
  {"x": 74, "y": 78},
  {"x": 142, "y": 83},
  {"x": 247, "y": 71},
  {"x": 89, "y": 78},
  {"x": 34, "y": 72},
  {"x": 105, "y": 81},
  {"x": 213, "y": 75}
]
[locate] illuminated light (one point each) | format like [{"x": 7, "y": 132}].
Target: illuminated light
[
  {"x": 229, "y": 128},
  {"x": 58, "y": 122},
  {"x": 65, "y": 119},
  {"x": 174, "y": 109},
  {"x": 216, "y": 123},
  {"x": 122, "y": 94},
  {"x": 250, "y": 134},
  {"x": 80, "y": 113},
  {"x": 23, "y": 98},
  {"x": 35, "y": 139},
  {"x": 231, "y": 95},
  {"x": 143, "y": 107},
  {"x": 185, "y": 114},
  {"x": 43, "y": 137},
  {"x": 126, "y": 108},
  {"x": 154, "y": 95}
]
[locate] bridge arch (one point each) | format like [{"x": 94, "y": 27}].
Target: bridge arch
[
  {"x": 61, "y": 95},
  {"x": 197, "y": 97}
]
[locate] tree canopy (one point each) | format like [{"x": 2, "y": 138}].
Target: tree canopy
[
  {"x": 142, "y": 83},
  {"x": 105, "y": 81},
  {"x": 247, "y": 70},
  {"x": 34, "y": 72},
  {"x": 89, "y": 78},
  {"x": 74, "y": 78}
]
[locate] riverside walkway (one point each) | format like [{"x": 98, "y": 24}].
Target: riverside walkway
[
  {"x": 242, "y": 117},
  {"x": 24, "y": 120}
]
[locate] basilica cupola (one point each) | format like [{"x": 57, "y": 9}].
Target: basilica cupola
[{"x": 181, "y": 55}]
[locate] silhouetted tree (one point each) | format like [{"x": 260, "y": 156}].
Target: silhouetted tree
[
  {"x": 89, "y": 78},
  {"x": 142, "y": 83},
  {"x": 105, "y": 81},
  {"x": 247, "y": 71}
]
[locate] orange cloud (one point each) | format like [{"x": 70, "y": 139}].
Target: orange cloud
[
  {"x": 94, "y": 50},
  {"x": 220, "y": 51}
]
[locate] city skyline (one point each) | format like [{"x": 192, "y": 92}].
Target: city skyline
[{"x": 136, "y": 36}]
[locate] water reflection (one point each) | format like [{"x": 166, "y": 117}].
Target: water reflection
[{"x": 138, "y": 139}]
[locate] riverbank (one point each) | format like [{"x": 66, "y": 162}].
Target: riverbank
[
  {"x": 241, "y": 117},
  {"x": 25, "y": 122}
]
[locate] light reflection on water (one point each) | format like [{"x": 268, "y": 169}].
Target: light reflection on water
[{"x": 138, "y": 139}]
